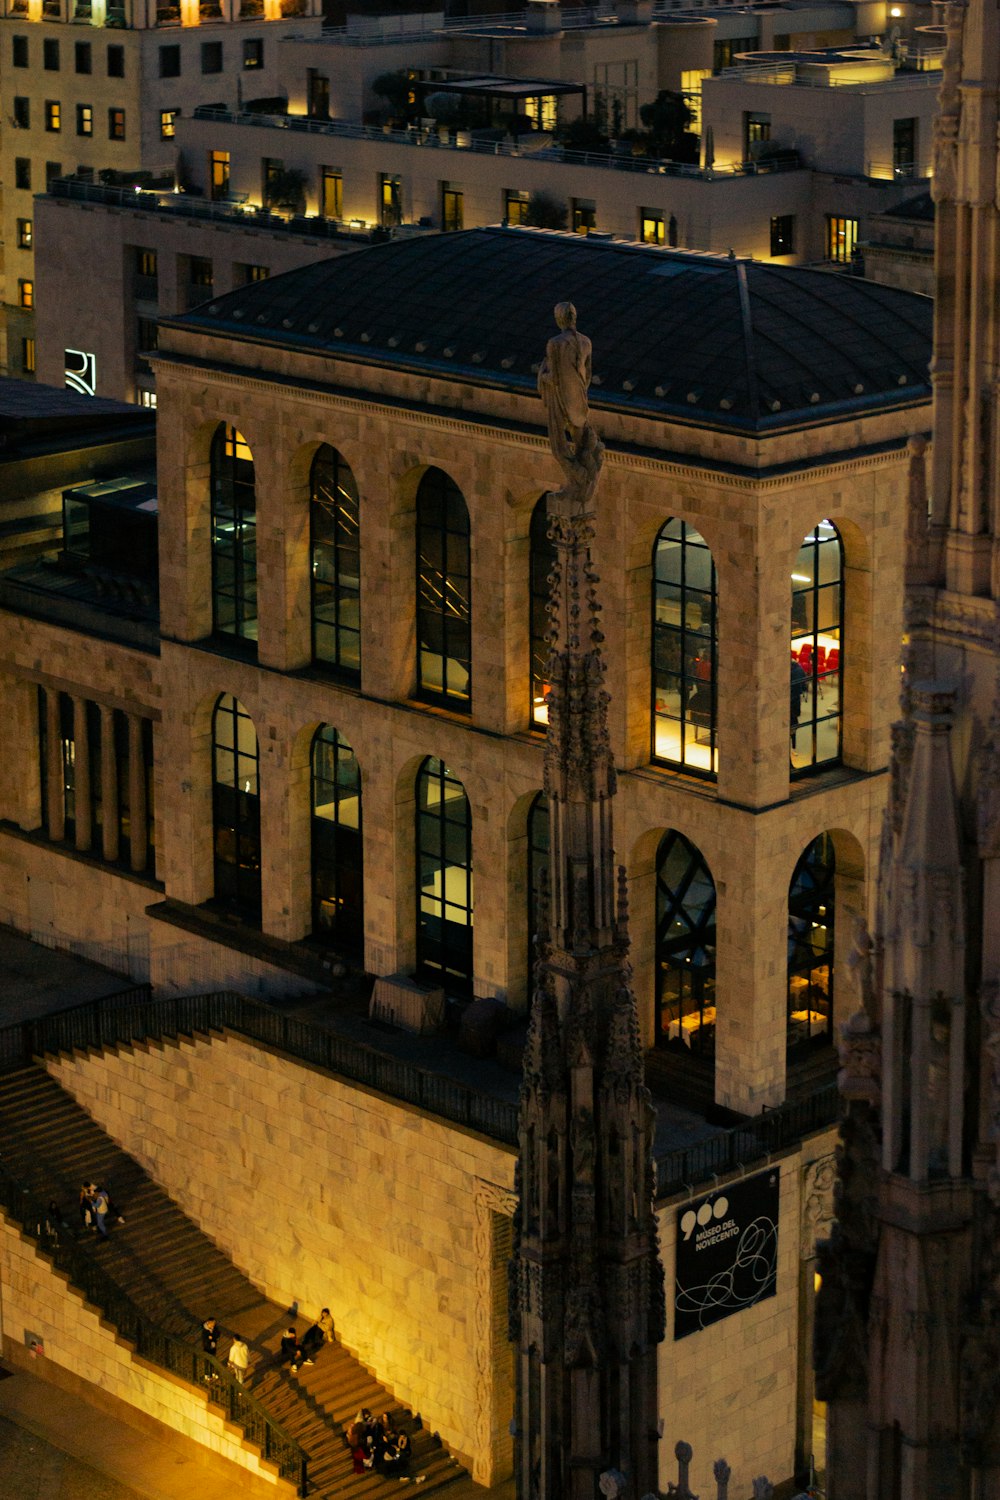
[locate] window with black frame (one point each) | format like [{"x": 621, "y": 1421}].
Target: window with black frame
[
  {"x": 236, "y": 810},
  {"x": 444, "y": 879},
  {"x": 542, "y": 559},
  {"x": 336, "y": 564},
  {"x": 685, "y": 949},
  {"x": 538, "y": 872},
  {"x": 337, "y": 868},
  {"x": 811, "y": 909},
  {"x": 234, "y": 538},
  {"x": 444, "y": 588},
  {"x": 685, "y": 650},
  {"x": 817, "y": 643}
]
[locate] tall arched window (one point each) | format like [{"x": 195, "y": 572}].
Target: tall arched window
[
  {"x": 811, "y": 908},
  {"x": 542, "y": 557},
  {"x": 444, "y": 611},
  {"x": 337, "y": 884},
  {"x": 684, "y": 650},
  {"x": 444, "y": 879},
  {"x": 336, "y": 564},
  {"x": 236, "y": 809},
  {"x": 538, "y": 869},
  {"x": 234, "y": 537},
  {"x": 685, "y": 948},
  {"x": 817, "y": 649}
]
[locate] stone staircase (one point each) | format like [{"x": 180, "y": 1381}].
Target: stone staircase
[{"x": 177, "y": 1277}]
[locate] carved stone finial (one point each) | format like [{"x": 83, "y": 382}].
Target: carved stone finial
[
  {"x": 860, "y": 1075},
  {"x": 723, "y": 1473},
  {"x": 763, "y": 1489},
  {"x": 613, "y": 1484}
]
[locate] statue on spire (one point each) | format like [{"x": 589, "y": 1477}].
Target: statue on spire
[{"x": 563, "y": 383}]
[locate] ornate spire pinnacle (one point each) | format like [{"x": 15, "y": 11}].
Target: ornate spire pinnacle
[{"x": 587, "y": 1285}]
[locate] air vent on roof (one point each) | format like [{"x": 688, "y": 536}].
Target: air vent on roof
[
  {"x": 692, "y": 397},
  {"x": 214, "y": 309},
  {"x": 238, "y": 312},
  {"x": 628, "y": 385},
  {"x": 726, "y": 404},
  {"x": 660, "y": 391},
  {"x": 477, "y": 358},
  {"x": 597, "y": 380},
  {"x": 366, "y": 338},
  {"x": 903, "y": 380},
  {"x": 775, "y": 405},
  {"x": 859, "y": 389},
  {"x": 508, "y": 363},
  {"x": 338, "y": 333},
  {"x": 536, "y": 367},
  {"x": 314, "y": 328},
  {"x": 262, "y": 317},
  {"x": 393, "y": 341},
  {"x": 287, "y": 323},
  {"x": 448, "y": 353},
  {"x": 814, "y": 398},
  {"x": 420, "y": 347}
]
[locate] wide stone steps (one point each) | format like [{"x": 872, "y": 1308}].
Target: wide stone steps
[{"x": 178, "y": 1277}]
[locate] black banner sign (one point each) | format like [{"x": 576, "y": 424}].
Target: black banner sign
[{"x": 727, "y": 1252}]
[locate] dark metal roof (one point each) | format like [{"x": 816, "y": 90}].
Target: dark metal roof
[
  {"x": 717, "y": 340},
  {"x": 919, "y": 209}
]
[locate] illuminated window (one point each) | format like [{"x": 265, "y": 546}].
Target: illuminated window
[
  {"x": 444, "y": 880},
  {"x": 541, "y": 561},
  {"x": 28, "y": 356},
  {"x": 684, "y": 650},
  {"x": 236, "y": 810},
  {"x": 253, "y": 273},
  {"x": 444, "y": 615},
  {"x": 841, "y": 238},
  {"x": 685, "y": 949},
  {"x": 168, "y": 124},
  {"x": 234, "y": 538},
  {"x": 515, "y": 206},
  {"x": 691, "y": 80},
  {"x": 783, "y": 234},
  {"x": 542, "y": 111},
  {"x": 337, "y": 860},
  {"x": 26, "y": 293},
  {"x": 756, "y": 130},
  {"x": 816, "y": 649},
  {"x": 331, "y": 186},
  {"x": 145, "y": 263},
  {"x": 84, "y": 119},
  {"x": 24, "y": 234},
  {"x": 390, "y": 199},
  {"x": 253, "y": 52},
  {"x": 452, "y": 207},
  {"x": 811, "y": 906},
  {"x": 218, "y": 174},
  {"x": 652, "y": 226},
  {"x": 584, "y": 215},
  {"x": 116, "y": 124},
  {"x": 336, "y": 563},
  {"x": 147, "y": 399}
]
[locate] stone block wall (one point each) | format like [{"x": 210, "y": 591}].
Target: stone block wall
[
  {"x": 329, "y": 1195},
  {"x": 75, "y": 1337}
]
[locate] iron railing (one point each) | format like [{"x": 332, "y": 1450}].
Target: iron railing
[
  {"x": 749, "y": 1143},
  {"x": 62, "y": 1245}
]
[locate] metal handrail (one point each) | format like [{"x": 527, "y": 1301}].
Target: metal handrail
[{"x": 62, "y": 1245}]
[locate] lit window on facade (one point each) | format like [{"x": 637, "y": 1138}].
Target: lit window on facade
[
  {"x": 444, "y": 880},
  {"x": 684, "y": 650},
  {"x": 336, "y": 564},
  {"x": 816, "y": 649}
]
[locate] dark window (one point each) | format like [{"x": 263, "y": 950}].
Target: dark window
[
  {"x": 390, "y": 192},
  {"x": 19, "y": 51},
  {"x": 444, "y": 879},
  {"x": 22, "y": 112},
  {"x": 685, "y": 948},
  {"x": 538, "y": 876},
  {"x": 724, "y": 52},
  {"x": 336, "y": 564},
  {"x": 337, "y": 868},
  {"x": 168, "y": 124},
  {"x": 331, "y": 192},
  {"x": 584, "y": 215},
  {"x": 53, "y": 169},
  {"x": 317, "y": 95},
  {"x": 145, "y": 335},
  {"x": 452, "y": 209},
  {"x": 211, "y": 57},
  {"x": 53, "y": 115},
  {"x": 24, "y": 234},
  {"x": 116, "y": 61},
  {"x": 515, "y": 206},
  {"x": 904, "y": 148},
  {"x": 236, "y": 810},
  {"x": 811, "y": 905},
  {"x": 50, "y": 54},
  {"x": 116, "y": 124},
  {"x": 652, "y": 226},
  {"x": 83, "y": 56},
  {"x": 253, "y": 52},
  {"x": 444, "y": 616},
  {"x": 28, "y": 356},
  {"x": 200, "y": 271},
  {"x": 817, "y": 649},
  {"x": 84, "y": 119},
  {"x": 684, "y": 650},
  {"x": 541, "y": 561},
  {"x": 170, "y": 61},
  {"x": 22, "y": 172},
  {"x": 783, "y": 234},
  {"x": 841, "y": 238},
  {"x": 234, "y": 538}
]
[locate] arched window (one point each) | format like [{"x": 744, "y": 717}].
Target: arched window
[
  {"x": 538, "y": 869},
  {"x": 542, "y": 557},
  {"x": 817, "y": 649},
  {"x": 811, "y": 909},
  {"x": 236, "y": 809},
  {"x": 336, "y": 564},
  {"x": 444, "y": 879},
  {"x": 685, "y": 948},
  {"x": 684, "y": 650},
  {"x": 234, "y": 537},
  {"x": 444, "y": 615},
  {"x": 337, "y": 885}
]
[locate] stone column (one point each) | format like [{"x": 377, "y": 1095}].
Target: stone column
[
  {"x": 109, "y": 786},
  {"x": 81, "y": 775},
  {"x": 138, "y": 845},
  {"x": 55, "y": 788}
]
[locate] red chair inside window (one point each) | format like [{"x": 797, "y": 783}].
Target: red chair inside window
[{"x": 805, "y": 658}]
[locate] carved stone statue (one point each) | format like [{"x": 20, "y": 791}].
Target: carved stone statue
[{"x": 563, "y": 382}]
